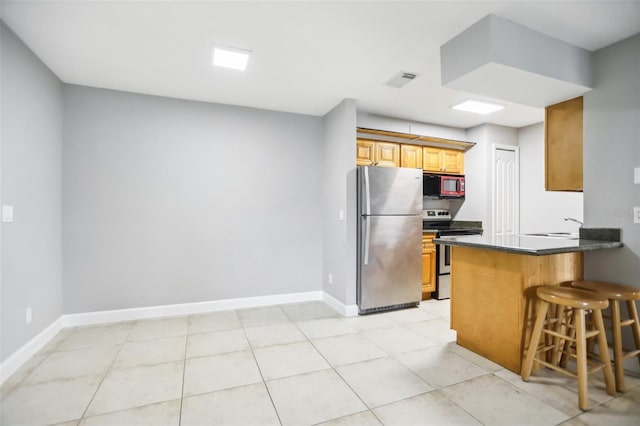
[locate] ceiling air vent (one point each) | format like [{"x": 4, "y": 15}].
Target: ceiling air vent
[{"x": 401, "y": 79}]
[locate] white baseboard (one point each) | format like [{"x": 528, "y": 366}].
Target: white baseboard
[
  {"x": 11, "y": 364},
  {"x": 344, "y": 310},
  {"x": 19, "y": 357},
  {"x": 101, "y": 317}
]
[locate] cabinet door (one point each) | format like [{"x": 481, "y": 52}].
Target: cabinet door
[
  {"x": 452, "y": 161},
  {"x": 431, "y": 159},
  {"x": 428, "y": 265},
  {"x": 428, "y": 272},
  {"x": 563, "y": 146},
  {"x": 387, "y": 154},
  {"x": 411, "y": 156},
  {"x": 365, "y": 153}
]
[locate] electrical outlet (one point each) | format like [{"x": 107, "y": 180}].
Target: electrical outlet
[
  {"x": 330, "y": 278},
  {"x": 7, "y": 213},
  {"x": 636, "y": 215},
  {"x": 29, "y": 314}
]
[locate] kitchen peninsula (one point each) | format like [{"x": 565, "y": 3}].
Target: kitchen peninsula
[{"x": 493, "y": 280}]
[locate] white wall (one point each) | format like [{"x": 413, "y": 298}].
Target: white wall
[
  {"x": 540, "y": 210},
  {"x": 169, "y": 201},
  {"x": 380, "y": 122},
  {"x": 31, "y": 134},
  {"x": 477, "y": 168},
  {"x": 339, "y": 235}
]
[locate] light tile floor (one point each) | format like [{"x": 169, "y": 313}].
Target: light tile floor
[{"x": 298, "y": 364}]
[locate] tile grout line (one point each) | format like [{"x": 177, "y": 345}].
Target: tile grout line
[
  {"x": 11, "y": 389},
  {"x": 259, "y": 369},
  {"x": 124, "y": 342},
  {"x": 394, "y": 357},
  {"x": 358, "y": 332},
  {"x": 184, "y": 370},
  {"x": 343, "y": 379}
]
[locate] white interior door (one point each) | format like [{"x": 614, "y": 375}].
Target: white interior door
[{"x": 506, "y": 190}]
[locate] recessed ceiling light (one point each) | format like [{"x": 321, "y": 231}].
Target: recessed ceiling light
[
  {"x": 478, "y": 107},
  {"x": 230, "y": 57}
]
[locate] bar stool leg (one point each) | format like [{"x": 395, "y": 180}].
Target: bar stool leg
[
  {"x": 527, "y": 365},
  {"x": 560, "y": 329},
  {"x": 581, "y": 354},
  {"x": 604, "y": 352},
  {"x": 571, "y": 333},
  {"x": 635, "y": 327},
  {"x": 618, "y": 355}
]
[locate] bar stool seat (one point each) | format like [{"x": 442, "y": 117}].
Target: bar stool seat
[
  {"x": 617, "y": 293},
  {"x": 562, "y": 324}
]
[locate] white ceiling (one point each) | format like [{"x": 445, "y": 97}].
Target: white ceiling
[{"x": 307, "y": 56}]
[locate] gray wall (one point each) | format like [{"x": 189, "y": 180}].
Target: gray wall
[
  {"x": 31, "y": 181},
  {"x": 168, "y": 201},
  {"x": 339, "y": 255},
  {"x": 540, "y": 210},
  {"x": 611, "y": 151}
]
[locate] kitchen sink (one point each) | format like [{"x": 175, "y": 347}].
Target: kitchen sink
[{"x": 561, "y": 235}]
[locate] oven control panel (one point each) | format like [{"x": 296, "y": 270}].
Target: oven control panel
[{"x": 436, "y": 214}]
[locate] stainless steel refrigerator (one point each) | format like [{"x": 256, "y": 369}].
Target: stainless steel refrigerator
[{"x": 389, "y": 238}]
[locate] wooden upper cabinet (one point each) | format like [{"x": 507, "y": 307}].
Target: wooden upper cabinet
[
  {"x": 442, "y": 160},
  {"x": 431, "y": 159},
  {"x": 563, "y": 146},
  {"x": 365, "y": 153},
  {"x": 411, "y": 156},
  {"x": 373, "y": 153},
  {"x": 387, "y": 154},
  {"x": 391, "y": 154},
  {"x": 453, "y": 161}
]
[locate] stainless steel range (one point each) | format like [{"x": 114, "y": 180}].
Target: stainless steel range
[{"x": 439, "y": 221}]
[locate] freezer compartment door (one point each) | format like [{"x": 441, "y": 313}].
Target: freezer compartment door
[
  {"x": 390, "y": 267},
  {"x": 390, "y": 190}
]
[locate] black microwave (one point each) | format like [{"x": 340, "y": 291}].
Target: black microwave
[{"x": 443, "y": 186}]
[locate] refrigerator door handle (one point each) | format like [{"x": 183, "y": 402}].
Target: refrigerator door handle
[
  {"x": 367, "y": 194},
  {"x": 367, "y": 232}
]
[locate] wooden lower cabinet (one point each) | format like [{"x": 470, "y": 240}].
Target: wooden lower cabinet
[
  {"x": 493, "y": 301},
  {"x": 428, "y": 265}
]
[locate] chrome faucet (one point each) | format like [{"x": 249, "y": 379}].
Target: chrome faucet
[{"x": 573, "y": 220}]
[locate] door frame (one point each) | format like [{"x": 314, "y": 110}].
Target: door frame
[{"x": 516, "y": 150}]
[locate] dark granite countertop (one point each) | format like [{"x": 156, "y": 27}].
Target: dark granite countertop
[{"x": 531, "y": 245}]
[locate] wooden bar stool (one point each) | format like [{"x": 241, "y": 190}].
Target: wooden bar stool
[
  {"x": 617, "y": 293},
  {"x": 568, "y": 320}
]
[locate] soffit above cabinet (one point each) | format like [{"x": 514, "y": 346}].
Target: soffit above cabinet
[
  {"x": 501, "y": 59},
  {"x": 407, "y": 138}
]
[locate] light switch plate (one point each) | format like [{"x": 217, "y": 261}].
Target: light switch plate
[
  {"x": 636, "y": 175},
  {"x": 7, "y": 213},
  {"x": 636, "y": 215}
]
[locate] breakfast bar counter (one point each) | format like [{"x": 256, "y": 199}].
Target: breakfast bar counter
[{"x": 493, "y": 281}]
